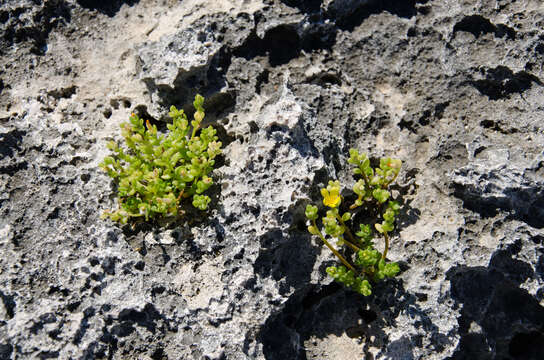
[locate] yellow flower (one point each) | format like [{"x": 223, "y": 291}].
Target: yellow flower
[{"x": 331, "y": 195}]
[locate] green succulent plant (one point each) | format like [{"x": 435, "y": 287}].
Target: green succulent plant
[
  {"x": 156, "y": 172},
  {"x": 362, "y": 264}
]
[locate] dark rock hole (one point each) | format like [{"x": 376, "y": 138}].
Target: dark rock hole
[
  {"x": 348, "y": 20},
  {"x": 306, "y": 6},
  {"x": 281, "y": 44},
  {"x": 5, "y": 351},
  {"x": 527, "y": 345},
  {"x": 63, "y": 93},
  {"x": 159, "y": 354},
  {"x": 109, "y": 8},
  {"x": 9, "y": 304},
  {"x": 315, "y": 297},
  {"x": 501, "y": 82},
  {"x": 368, "y": 316},
  {"x": 478, "y": 25}
]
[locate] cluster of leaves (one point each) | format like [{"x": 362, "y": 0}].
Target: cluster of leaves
[
  {"x": 158, "y": 171},
  {"x": 368, "y": 265}
]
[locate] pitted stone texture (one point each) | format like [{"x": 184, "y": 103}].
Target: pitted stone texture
[
  {"x": 161, "y": 62},
  {"x": 175, "y": 67},
  {"x": 452, "y": 88},
  {"x": 497, "y": 182}
]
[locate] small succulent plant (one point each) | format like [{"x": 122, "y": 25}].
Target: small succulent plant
[
  {"x": 156, "y": 172},
  {"x": 368, "y": 265}
]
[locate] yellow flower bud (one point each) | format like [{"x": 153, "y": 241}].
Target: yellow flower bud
[{"x": 312, "y": 230}]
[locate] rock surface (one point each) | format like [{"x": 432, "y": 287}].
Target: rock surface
[{"x": 453, "y": 88}]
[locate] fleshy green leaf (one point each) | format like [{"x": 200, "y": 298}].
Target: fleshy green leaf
[
  {"x": 311, "y": 212},
  {"x": 360, "y": 267},
  {"x": 156, "y": 172},
  {"x": 391, "y": 269}
]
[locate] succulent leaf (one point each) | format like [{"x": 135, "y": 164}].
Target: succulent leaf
[
  {"x": 156, "y": 171},
  {"x": 364, "y": 263}
]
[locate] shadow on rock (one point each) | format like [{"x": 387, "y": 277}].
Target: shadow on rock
[
  {"x": 305, "y": 6},
  {"x": 287, "y": 260},
  {"x": 187, "y": 84},
  {"x": 182, "y": 244},
  {"x": 109, "y": 8},
  {"x": 285, "y": 42},
  {"x": 350, "y": 14},
  {"x": 316, "y": 314},
  {"x": 525, "y": 204},
  {"x": 499, "y": 320}
]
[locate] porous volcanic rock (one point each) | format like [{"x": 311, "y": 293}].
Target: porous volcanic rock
[{"x": 453, "y": 88}]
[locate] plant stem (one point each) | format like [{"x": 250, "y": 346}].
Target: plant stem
[
  {"x": 354, "y": 247},
  {"x": 179, "y": 196},
  {"x": 386, "y": 245},
  {"x": 334, "y": 251},
  {"x": 390, "y": 181},
  {"x": 365, "y": 178},
  {"x": 367, "y": 184},
  {"x": 195, "y": 128},
  {"x": 354, "y": 205},
  {"x": 350, "y": 235}
]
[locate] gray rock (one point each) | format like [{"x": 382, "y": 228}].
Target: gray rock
[
  {"x": 177, "y": 66},
  {"x": 452, "y": 89},
  {"x": 499, "y": 183}
]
